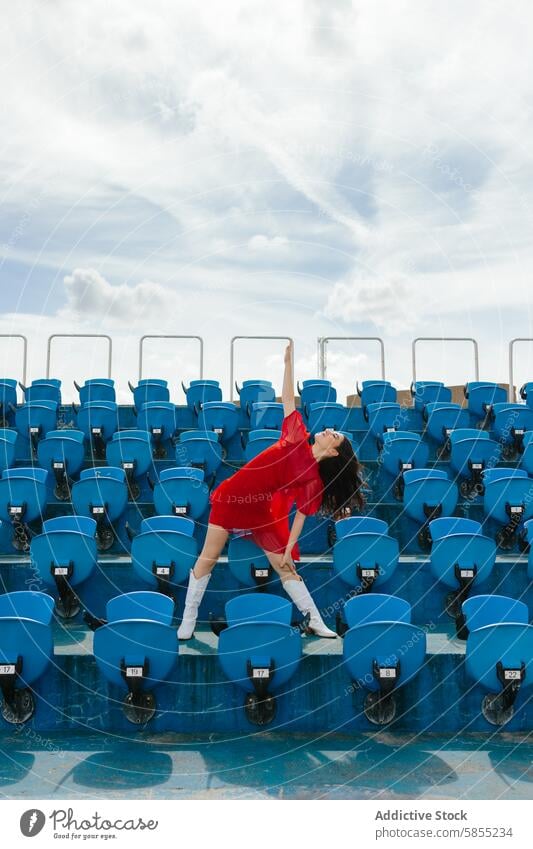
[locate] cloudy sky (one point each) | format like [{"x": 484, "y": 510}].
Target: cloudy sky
[{"x": 312, "y": 168}]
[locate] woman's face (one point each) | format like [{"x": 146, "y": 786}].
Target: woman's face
[{"x": 328, "y": 438}]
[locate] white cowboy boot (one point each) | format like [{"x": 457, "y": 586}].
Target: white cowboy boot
[
  {"x": 301, "y": 596},
  {"x": 195, "y": 594}
]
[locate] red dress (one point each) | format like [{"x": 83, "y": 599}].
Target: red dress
[{"x": 258, "y": 497}]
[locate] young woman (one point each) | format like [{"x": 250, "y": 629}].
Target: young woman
[{"x": 325, "y": 476}]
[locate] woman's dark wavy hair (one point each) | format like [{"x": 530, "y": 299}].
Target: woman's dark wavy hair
[{"x": 343, "y": 481}]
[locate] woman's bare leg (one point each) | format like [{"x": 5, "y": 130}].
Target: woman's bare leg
[
  {"x": 215, "y": 541},
  {"x": 285, "y": 573},
  {"x": 299, "y": 594}
]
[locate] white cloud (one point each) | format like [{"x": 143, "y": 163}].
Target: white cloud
[{"x": 89, "y": 295}]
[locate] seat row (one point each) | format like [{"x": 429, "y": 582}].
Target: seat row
[{"x": 259, "y": 650}]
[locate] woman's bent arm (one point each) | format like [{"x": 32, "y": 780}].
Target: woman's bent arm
[
  {"x": 287, "y": 394},
  {"x": 296, "y": 530}
]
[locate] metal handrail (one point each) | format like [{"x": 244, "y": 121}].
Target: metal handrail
[
  {"x": 232, "y": 355},
  {"x": 25, "y": 351},
  {"x": 512, "y": 343},
  {"x": 322, "y": 350},
  {"x": 446, "y": 339},
  {"x": 80, "y": 336},
  {"x": 167, "y": 336}
]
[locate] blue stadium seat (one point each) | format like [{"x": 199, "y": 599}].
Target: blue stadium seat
[
  {"x": 8, "y": 401},
  {"x": 181, "y": 492},
  {"x": 164, "y": 552},
  {"x": 258, "y": 440},
  {"x": 313, "y": 391},
  {"x": 441, "y": 419},
  {"x": 99, "y": 421},
  {"x": 365, "y": 559},
  {"x": 428, "y": 391},
  {"x": 528, "y": 539},
  {"x": 460, "y": 559},
  {"x": 481, "y": 395},
  {"x": 102, "y": 494},
  {"x": 360, "y": 524},
  {"x": 507, "y": 500},
  {"x": 149, "y": 391},
  {"x": 471, "y": 452},
  {"x": 131, "y": 450},
  {"x": 383, "y": 418},
  {"x": 96, "y": 389},
  {"x": 382, "y": 651},
  {"x": 499, "y": 653},
  {"x": 266, "y": 415},
  {"x": 220, "y": 417},
  {"x": 61, "y": 453},
  {"x": 8, "y": 439},
  {"x": 137, "y": 649},
  {"x": 526, "y": 460},
  {"x": 199, "y": 448},
  {"x": 526, "y": 393},
  {"x": 159, "y": 419},
  {"x": 509, "y": 423},
  {"x": 248, "y": 563},
  {"x": 376, "y": 392},
  {"x": 22, "y": 500},
  {"x": 259, "y": 651},
  {"x": 201, "y": 391},
  {"x": 401, "y": 450},
  {"x": 26, "y": 649},
  {"x": 428, "y": 494},
  {"x": 253, "y": 391},
  {"x": 46, "y": 389},
  {"x": 64, "y": 556},
  {"x": 326, "y": 414},
  {"x": 34, "y": 420}
]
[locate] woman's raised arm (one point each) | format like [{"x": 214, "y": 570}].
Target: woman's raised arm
[{"x": 287, "y": 394}]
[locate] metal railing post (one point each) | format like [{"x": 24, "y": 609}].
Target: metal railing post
[
  {"x": 512, "y": 343},
  {"x": 232, "y": 355},
  {"x": 25, "y": 351},
  {"x": 167, "y": 336},
  {"x": 80, "y": 336},
  {"x": 445, "y": 339}
]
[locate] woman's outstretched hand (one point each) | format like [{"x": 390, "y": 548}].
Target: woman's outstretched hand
[{"x": 288, "y": 353}]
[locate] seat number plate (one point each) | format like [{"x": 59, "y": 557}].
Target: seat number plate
[
  {"x": 519, "y": 509},
  {"x": 179, "y": 510},
  {"x": 406, "y": 466},
  {"x": 96, "y": 431},
  {"x": 467, "y": 573},
  {"x": 512, "y": 675},
  {"x": 127, "y": 466},
  {"x": 519, "y": 432},
  {"x": 7, "y": 669},
  {"x": 368, "y": 573},
  {"x": 387, "y": 672},
  {"x": 218, "y": 429},
  {"x": 60, "y": 570},
  {"x": 261, "y": 673},
  {"x": 162, "y": 570},
  {"x": 34, "y": 430},
  {"x": 261, "y": 573},
  {"x": 477, "y": 466},
  {"x": 98, "y": 511},
  {"x": 134, "y": 672},
  {"x": 15, "y": 511},
  {"x": 59, "y": 465},
  {"x": 157, "y": 431}
]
